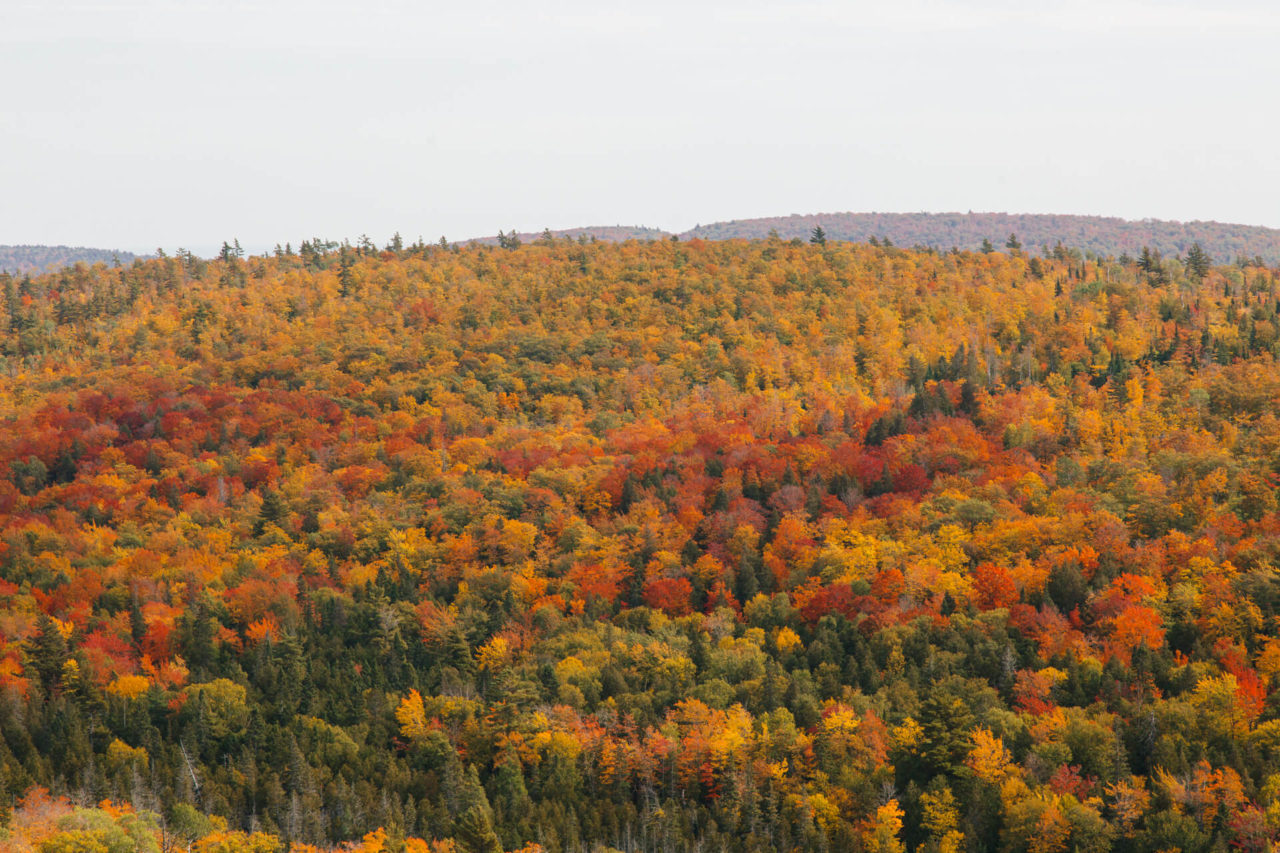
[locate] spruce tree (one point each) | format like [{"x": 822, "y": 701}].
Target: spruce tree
[{"x": 1198, "y": 262}]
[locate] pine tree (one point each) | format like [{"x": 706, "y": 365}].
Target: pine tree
[
  {"x": 272, "y": 511},
  {"x": 46, "y": 652},
  {"x": 346, "y": 281},
  {"x": 1198, "y": 262},
  {"x": 473, "y": 831}
]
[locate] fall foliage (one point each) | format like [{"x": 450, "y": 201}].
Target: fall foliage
[{"x": 677, "y": 544}]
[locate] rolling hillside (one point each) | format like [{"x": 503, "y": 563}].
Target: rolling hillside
[
  {"x": 644, "y": 546},
  {"x": 1102, "y": 235}
]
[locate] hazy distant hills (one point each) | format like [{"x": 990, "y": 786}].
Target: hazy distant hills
[
  {"x": 20, "y": 259},
  {"x": 1102, "y": 235},
  {"x": 610, "y": 233}
]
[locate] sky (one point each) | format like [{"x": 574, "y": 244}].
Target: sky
[{"x": 137, "y": 124}]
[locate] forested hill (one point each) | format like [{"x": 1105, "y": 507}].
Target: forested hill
[
  {"x": 653, "y": 546},
  {"x": 1103, "y": 236},
  {"x": 23, "y": 259},
  {"x": 609, "y": 233},
  {"x": 1037, "y": 233}
]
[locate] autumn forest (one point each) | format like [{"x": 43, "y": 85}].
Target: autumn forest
[{"x": 665, "y": 545}]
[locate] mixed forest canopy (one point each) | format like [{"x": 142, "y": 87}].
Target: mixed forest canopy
[
  {"x": 1037, "y": 234},
  {"x": 667, "y": 545}
]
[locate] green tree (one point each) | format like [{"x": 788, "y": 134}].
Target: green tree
[
  {"x": 1198, "y": 262},
  {"x": 473, "y": 830},
  {"x": 223, "y": 706},
  {"x": 47, "y": 651},
  {"x": 29, "y": 476},
  {"x": 346, "y": 281},
  {"x": 272, "y": 511}
]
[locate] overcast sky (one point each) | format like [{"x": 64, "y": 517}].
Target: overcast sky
[{"x": 136, "y": 124}]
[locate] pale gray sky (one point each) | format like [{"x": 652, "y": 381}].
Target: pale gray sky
[{"x": 133, "y": 124}]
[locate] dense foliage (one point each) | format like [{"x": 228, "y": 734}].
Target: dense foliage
[
  {"x": 661, "y": 545},
  {"x": 24, "y": 259}
]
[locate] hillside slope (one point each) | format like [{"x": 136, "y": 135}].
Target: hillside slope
[{"x": 657, "y": 545}]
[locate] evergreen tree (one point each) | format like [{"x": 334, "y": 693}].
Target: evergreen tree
[
  {"x": 346, "y": 281},
  {"x": 1198, "y": 262},
  {"x": 272, "y": 511},
  {"x": 47, "y": 651}
]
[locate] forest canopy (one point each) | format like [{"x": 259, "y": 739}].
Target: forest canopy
[{"x": 653, "y": 545}]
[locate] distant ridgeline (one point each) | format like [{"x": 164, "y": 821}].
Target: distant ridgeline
[
  {"x": 1101, "y": 235},
  {"x": 606, "y": 233},
  {"x": 21, "y": 259}
]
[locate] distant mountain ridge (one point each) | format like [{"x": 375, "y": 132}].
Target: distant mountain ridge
[
  {"x": 1102, "y": 235},
  {"x": 608, "y": 233},
  {"x": 24, "y": 259}
]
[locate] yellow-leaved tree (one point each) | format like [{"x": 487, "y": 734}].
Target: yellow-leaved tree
[{"x": 412, "y": 716}]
